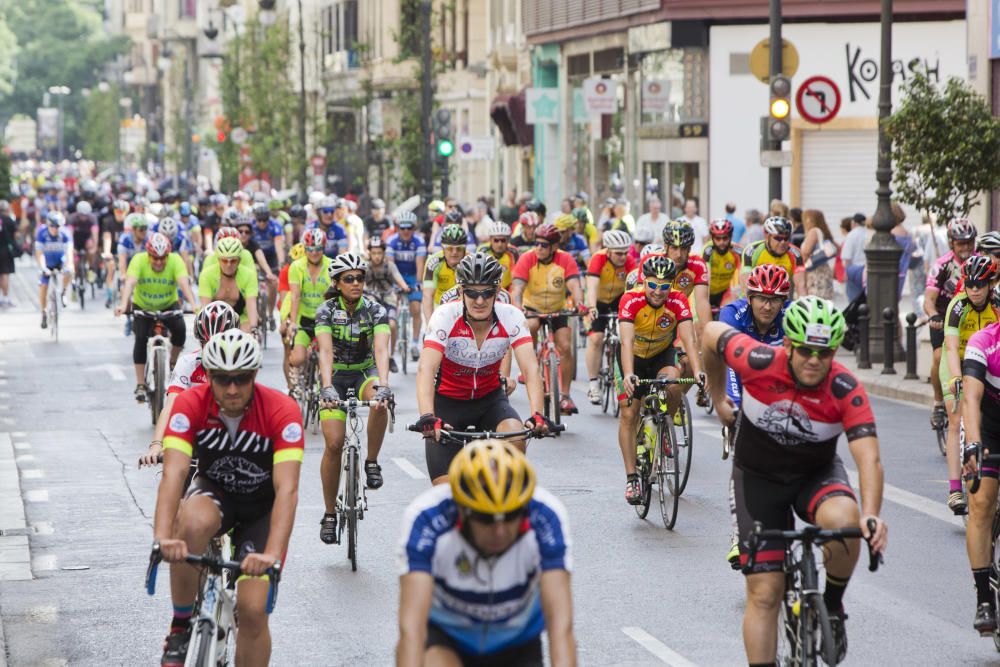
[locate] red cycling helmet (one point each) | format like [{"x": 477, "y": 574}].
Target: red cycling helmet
[
  {"x": 548, "y": 232},
  {"x": 227, "y": 233},
  {"x": 769, "y": 279},
  {"x": 721, "y": 227},
  {"x": 529, "y": 219},
  {"x": 158, "y": 246},
  {"x": 979, "y": 269}
]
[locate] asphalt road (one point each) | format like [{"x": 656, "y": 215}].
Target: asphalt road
[{"x": 643, "y": 595}]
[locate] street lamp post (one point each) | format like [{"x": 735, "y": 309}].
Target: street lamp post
[
  {"x": 60, "y": 92},
  {"x": 302, "y": 104},
  {"x": 882, "y": 252}
]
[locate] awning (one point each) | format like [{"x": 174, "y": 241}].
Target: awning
[{"x": 507, "y": 112}]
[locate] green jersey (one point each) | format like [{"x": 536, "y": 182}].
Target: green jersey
[
  {"x": 311, "y": 291},
  {"x": 246, "y": 283},
  {"x": 156, "y": 291},
  {"x": 246, "y": 259}
]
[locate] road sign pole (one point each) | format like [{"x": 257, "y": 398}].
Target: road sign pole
[{"x": 774, "y": 173}]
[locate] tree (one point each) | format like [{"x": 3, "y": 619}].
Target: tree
[
  {"x": 945, "y": 147},
  {"x": 100, "y": 128}
]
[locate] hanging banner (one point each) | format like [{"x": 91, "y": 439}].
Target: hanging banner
[
  {"x": 600, "y": 95},
  {"x": 655, "y": 96},
  {"x": 541, "y": 106}
]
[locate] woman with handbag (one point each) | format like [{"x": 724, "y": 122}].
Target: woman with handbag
[
  {"x": 9, "y": 250},
  {"x": 820, "y": 252}
]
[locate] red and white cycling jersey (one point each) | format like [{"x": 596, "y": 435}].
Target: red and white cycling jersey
[
  {"x": 469, "y": 372},
  {"x": 187, "y": 373}
]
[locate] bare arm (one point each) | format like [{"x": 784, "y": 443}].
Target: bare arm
[
  {"x": 286, "y": 499},
  {"x": 557, "y": 607},
  {"x": 575, "y": 290},
  {"x": 253, "y": 317},
  {"x": 427, "y": 368},
  {"x": 871, "y": 477},
  {"x": 972, "y": 395},
  {"x": 799, "y": 282},
  {"x": 517, "y": 292},
  {"x": 528, "y": 363},
  {"x": 809, "y": 243},
  {"x": 279, "y": 249},
  {"x": 184, "y": 282},
  {"x": 416, "y": 590},
  {"x": 626, "y": 331},
  {"x": 954, "y": 363},
  {"x": 686, "y": 333},
  {"x": 381, "y": 346},
  {"x": 715, "y": 365},
  {"x": 427, "y": 304},
  {"x": 703, "y": 307},
  {"x": 930, "y": 296},
  {"x": 168, "y": 497},
  {"x": 324, "y": 343},
  {"x": 593, "y": 285}
]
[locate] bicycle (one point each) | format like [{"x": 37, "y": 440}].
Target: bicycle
[
  {"x": 994, "y": 533},
  {"x": 548, "y": 360},
  {"x": 403, "y": 327},
  {"x": 264, "y": 315},
  {"x": 729, "y": 435},
  {"x": 80, "y": 277},
  {"x": 610, "y": 351},
  {"x": 309, "y": 388},
  {"x": 214, "y": 623},
  {"x": 660, "y": 455},
  {"x": 158, "y": 348},
  {"x": 351, "y": 506},
  {"x": 805, "y": 635}
]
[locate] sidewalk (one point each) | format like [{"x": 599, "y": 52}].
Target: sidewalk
[
  {"x": 894, "y": 386},
  {"x": 15, "y": 557}
]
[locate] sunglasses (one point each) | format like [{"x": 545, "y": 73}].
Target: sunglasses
[
  {"x": 824, "y": 354},
  {"x": 246, "y": 231},
  {"x": 314, "y": 248},
  {"x": 542, "y": 244},
  {"x": 781, "y": 239},
  {"x": 239, "y": 379},
  {"x": 662, "y": 287},
  {"x": 770, "y": 300},
  {"x": 328, "y": 211},
  {"x": 350, "y": 280},
  {"x": 477, "y": 294},
  {"x": 977, "y": 284},
  {"x": 500, "y": 240},
  {"x": 490, "y": 519}
]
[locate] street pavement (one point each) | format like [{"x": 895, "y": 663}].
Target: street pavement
[{"x": 643, "y": 595}]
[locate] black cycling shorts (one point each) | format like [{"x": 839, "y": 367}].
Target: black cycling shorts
[
  {"x": 645, "y": 369},
  {"x": 344, "y": 380},
  {"x": 715, "y": 300},
  {"x": 754, "y": 498},
  {"x": 600, "y": 324},
  {"x": 481, "y": 414},
  {"x": 937, "y": 335},
  {"x": 555, "y": 323},
  {"x": 250, "y": 522},
  {"x": 142, "y": 329},
  {"x": 528, "y": 654}
]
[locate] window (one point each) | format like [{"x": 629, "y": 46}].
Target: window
[
  {"x": 684, "y": 72},
  {"x": 188, "y": 9},
  {"x": 340, "y": 29}
]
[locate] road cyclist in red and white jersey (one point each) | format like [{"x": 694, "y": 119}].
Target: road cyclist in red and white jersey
[
  {"x": 248, "y": 440},
  {"x": 188, "y": 372},
  {"x": 458, "y": 377},
  {"x": 797, "y": 401}
]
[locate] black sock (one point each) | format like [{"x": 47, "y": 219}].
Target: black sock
[
  {"x": 833, "y": 596},
  {"x": 982, "y": 579},
  {"x": 763, "y": 664}
]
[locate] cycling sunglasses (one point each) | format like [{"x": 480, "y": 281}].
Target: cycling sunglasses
[
  {"x": 824, "y": 354},
  {"x": 490, "y": 519},
  {"x": 327, "y": 210},
  {"x": 977, "y": 284},
  {"x": 771, "y": 300},
  {"x": 239, "y": 379},
  {"x": 662, "y": 287},
  {"x": 542, "y": 244},
  {"x": 476, "y": 294},
  {"x": 314, "y": 248},
  {"x": 350, "y": 280},
  {"x": 781, "y": 239}
]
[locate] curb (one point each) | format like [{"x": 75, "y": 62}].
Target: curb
[{"x": 920, "y": 398}]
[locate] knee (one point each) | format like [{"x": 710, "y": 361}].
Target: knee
[
  {"x": 196, "y": 529},
  {"x": 253, "y": 617},
  {"x": 764, "y": 598},
  {"x": 335, "y": 446}
]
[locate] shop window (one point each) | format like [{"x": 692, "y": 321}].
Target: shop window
[{"x": 685, "y": 73}]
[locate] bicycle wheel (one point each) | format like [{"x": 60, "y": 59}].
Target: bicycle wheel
[
  {"x": 159, "y": 381},
  {"x": 995, "y": 572},
  {"x": 615, "y": 348},
  {"x": 789, "y": 650},
  {"x": 644, "y": 469},
  {"x": 202, "y": 644},
  {"x": 684, "y": 445},
  {"x": 817, "y": 634},
  {"x": 552, "y": 364},
  {"x": 942, "y": 437},
  {"x": 606, "y": 376},
  {"x": 54, "y": 312},
  {"x": 351, "y": 507},
  {"x": 666, "y": 470}
]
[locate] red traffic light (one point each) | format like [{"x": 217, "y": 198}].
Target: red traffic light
[{"x": 220, "y": 137}]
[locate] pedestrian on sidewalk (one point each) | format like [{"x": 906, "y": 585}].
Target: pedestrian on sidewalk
[
  {"x": 755, "y": 227},
  {"x": 820, "y": 251},
  {"x": 739, "y": 227},
  {"x": 9, "y": 250},
  {"x": 901, "y": 235},
  {"x": 853, "y": 254}
]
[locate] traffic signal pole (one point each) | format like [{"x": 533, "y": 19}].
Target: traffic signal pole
[
  {"x": 426, "y": 101},
  {"x": 774, "y": 173}
]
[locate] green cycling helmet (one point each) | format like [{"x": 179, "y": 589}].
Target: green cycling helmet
[
  {"x": 229, "y": 248},
  {"x": 454, "y": 235},
  {"x": 816, "y": 322},
  {"x": 136, "y": 220}
]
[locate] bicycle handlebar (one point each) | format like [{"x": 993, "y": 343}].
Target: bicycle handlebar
[
  {"x": 810, "y": 535},
  {"x": 177, "y": 312},
  {"x": 977, "y": 452},
  {"x": 463, "y": 437},
  {"x": 550, "y": 316}
]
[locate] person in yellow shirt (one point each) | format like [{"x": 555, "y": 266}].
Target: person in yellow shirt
[
  {"x": 723, "y": 260},
  {"x": 498, "y": 245},
  {"x": 776, "y": 248},
  {"x": 439, "y": 272}
]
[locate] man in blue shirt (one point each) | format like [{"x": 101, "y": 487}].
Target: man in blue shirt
[
  {"x": 54, "y": 252},
  {"x": 336, "y": 236},
  {"x": 408, "y": 252},
  {"x": 739, "y": 227}
]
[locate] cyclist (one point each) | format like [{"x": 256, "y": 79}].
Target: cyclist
[
  {"x": 214, "y": 318},
  {"x": 270, "y": 236},
  {"x": 541, "y": 280},
  {"x": 967, "y": 313},
  {"x": 490, "y": 518},
  {"x": 382, "y": 283},
  {"x": 246, "y": 228},
  {"x": 723, "y": 260},
  {"x": 940, "y": 289},
  {"x": 776, "y": 248},
  {"x": 151, "y": 284},
  {"x": 296, "y": 224},
  {"x": 112, "y": 227},
  {"x": 308, "y": 281},
  {"x": 246, "y": 258},
  {"x": 605, "y": 286},
  {"x": 227, "y": 280},
  {"x": 132, "y": 241},
  {"x": 408, "y": 252},
  {"x": 352, "y": 334},
  {"x": 457, "y": 390},
  {"x": 650, "y": 319},
  {"x": 378, "y": 222},
  {"x": 524, "y": 239},
  {"x": 571, "y": 242},
  {"x": 82, "y": 225},
  {"x": 439, "y": 272},
  {"x": 248, "y": 441},
  {"x": 179, "y": 240},
  {"x": 336, "y": 236},
  {"x": 191, "y": 225},
  {"x": 54, "y": 253},
  {"x": 586, "y": 228},
  {"x": 692, "y": 271},
  {"x": 796, "y": 402},
  {"x": 989, "y": 244},
  {"x": 498, "y": 245}
]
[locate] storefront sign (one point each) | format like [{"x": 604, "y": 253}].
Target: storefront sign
[
  {"x": 655, "y": 96},
  {"x": 600, "y": 95},
  {"x": 541, "y": 106},
  {"x": 862, "y": 71}
]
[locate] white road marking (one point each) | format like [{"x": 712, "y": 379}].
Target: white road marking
[
  {"x": 4, "y": 394},
  {"x": 43, "y": 527},
  {"x": 22, "y": 446},
  {"x": 407, "y": 467},
  {"x": 114, "y": 370},
  {"x": 54, "y": 662},
  {"x": 7, "y": 421},
  {"x": 46, "y": 613},
  {"x": 657, "y": 648},
  {"x": 37, "y": 496},
  {"x": 24, "y": 458},
  {"x": 44, "y": 563},
  {"x": 4, "y": 407},
  {"x": 32, "y": 473},
  {"x": 3, "y": 381},
  {"x": 19, "y": 434}
]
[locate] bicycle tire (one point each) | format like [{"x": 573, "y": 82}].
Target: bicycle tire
[
  {"x": 205, "y": 638},
  {"x": 402, "y": 335},
  {"x": 553, "y": 372},
  {"x": 159, "y": 381},
  {"x": 351, "y": 502},
  {"x": 644, "y": 469},
  {"x": 615, "y": 350},
  {"x": 54, "y": 315},
  {"x": 788, "y": 650},
  {"x": 816, "y": 612},
  {"x": 666, "y": 469},
  {"x": 685, "y": 446},
  {"x": 942, "y": 438},
  {"x": 995, "y": 572},
  {"x": 606, "y": 376}
]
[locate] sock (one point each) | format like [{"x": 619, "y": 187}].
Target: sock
[
  {"x": 938, "y": 404},
  {"x": 982, "y": 579},
  {"x": 954, "y": 485},
  {"x": 593, "y": 379},
  {"x": 833, "y": 596},
  {"x": 182, "y": 618},
  {"x": 763, "y": 664}
]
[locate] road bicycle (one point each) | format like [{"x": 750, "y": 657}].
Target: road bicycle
[
  {"x": 549, "y": 361},
  {"x": 352, "y": 501},
  {"x": 610, "y": 350},
  {"x": 403, "y": 326},
  {"x": 993, "y": 459},
  {"x": 158, "y": 348},
  {"x": 54, "y": 301},
  {"x": 805, "y": 635},
  {"x": 214, "y": 623},
  {"x": 662, "y": 459},
  {"x": 265, "y": 318},
  {"x": 309, "y": 388},
  {"x": 729, "y": 435},
  {"x": 80, "y": 278}
]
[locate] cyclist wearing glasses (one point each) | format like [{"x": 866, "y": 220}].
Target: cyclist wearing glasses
[
  {"x": 226, "y": 280},
  {"x": 723, "y": 260},
  {"x": 336, "y": 236},
  {"x": 524, "y": 239},
  {"x": 485, "y": 567},
  {"x": 499, "y": 247},
  {"x": 54, "y": 253},
  {"x": 605, "y": 286},
  {"x": 246, "y": 230},
  {"x": 408, "y": 252},
  {"x": 248, "y": 441},
  {"x": 308, "y": 282},
  {"x": 692, "y": 271},
  {"x": 382, "y": 283},
  {"x": 439, "y": 272},
  {"x": 776, "y": 248},
  {"x": 797, "y": 401}
]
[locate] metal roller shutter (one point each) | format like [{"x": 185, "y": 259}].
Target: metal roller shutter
[{"x": 838, "y": 173}]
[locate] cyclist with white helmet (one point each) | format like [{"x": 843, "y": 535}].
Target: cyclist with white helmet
[
  {"x": 383, "y": 282},
  {"x": 498, "y": 245},
  {"x": 248, "y": 440},
  {"x": 408, "y": 251},
  {"x": 54, "y": 253},
  {"x": 336, "y": 235},
  {"x": 82, "y": 225},
  {"x": 179, "y": 239},
  {"x": 776, "y": 248},
  {"x": 227, "y": 280},
  {"x": 606, "y": 275}
]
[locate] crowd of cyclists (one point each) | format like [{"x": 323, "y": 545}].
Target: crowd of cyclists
[{"x": 472, "y": 295}]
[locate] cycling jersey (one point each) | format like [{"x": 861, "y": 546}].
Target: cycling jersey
[
  {"x": 721, "y": 267},
  {"x": 267, "y": 237},
  {"x": 693, "y": 273},
  {"x": 380, "y": 282},
  {"x": 156, "y": 291},
  {"x": 352, "y": 333},
  {"x": 739, "y": 315},
  {"x": 83, "y": 228},
  {"x": 982, "y": 361},
  {"x": 439, "y": 275},
  {"x": 181, "y": 242},
  {"x": 545, "y": 290},
  {"x": 377, "y": 227},
  {"x": 944, "y": 277},
  {"x": 127, "y": 246},
  {"x": 210, "y": 280},
  {"x": 404, "y": 254},
  {"x": 485, "y": 604},
  {"x": 468, "y": 371},
  {"x": 237, "y": 456},
  {"x": 655, "y": 328},
  {"x": 507, "y": 260},
  {"x": 188, "y": 372},
  {"x": 578, "y": 248},
  {"x": 311, "y": 292},
  {"x": 611, "y": 278},
  {"x": 503, "y": 296},
  {"x": 963, "y": 320},
  {"x": 336, "y": 238},
  {"x": 54, "y": 247},
  {"x": 786, "y": 431},
  {"x": 757, "y": 254}
]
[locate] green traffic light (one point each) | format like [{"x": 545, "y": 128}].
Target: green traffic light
[{"x": 445, "y": 148}]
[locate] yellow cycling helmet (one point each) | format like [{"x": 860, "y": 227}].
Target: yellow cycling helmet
[
  {"x": 491, "y": 477},
  {"x": 229, "y": 248},
  {"x": 436, "y": 206},
  {"x": 564, "y": 222},
  {"x": 298, "y": 250}
]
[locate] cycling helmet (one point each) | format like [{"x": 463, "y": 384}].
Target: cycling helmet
[
  {"x": 406, "y": 220},
  {"x": 679, "y": 234},
  {"x": 644, "y": 234},
  {"x": 184, "y": 208},
  {"x": 978, "y": 269},
  {"x": 297, "y": 212},
  {"x": 275, "y": 204},
  {"x": 548, "y": 232},
  {"x": 153, "y": 196},
  {"x": 344, "y": 262},
  {"x": 158, "y": 245},
  {"x": 55, "y": 219},
  {"x": 121, "y": 205},
  {"x": 565, "y": 222},
  {"x": 227, "y": 233},
  {"x": 651, "y": 249},
  {"x": 261, "y": 212},
  {"x": 813, "y": 321},
  {"x": 169, "y": 228},
  {"x": 314, "y": 238},
  {"x": 232, "y": 216},
  {"x": 535, "y": 206},
  {"x": 988, "y": 243},
  {"x": 378, "y": 203},
  {"x": 157, "y": 210},
  {"x": 219, "y": 200},
  {"x": 351, "y": 205},
  {"x": 720, "y": 227},
  {"x": 229, "y": 249},
  {"x": 479, "y": 269},
  {"x": 232, "y": 350},
  {"x": 297, "y": 251},
  {"x": 581, "y": 214},
  {"x": 214, "y": 318},
  {"x": 137, "y": 221},
  {"x": 491, "y": 477},
  {"x": 778, "y": 226},
  {"x": 436, "y": 206},
  {"x": 960, "y": 229},
  {"x": 660, "y": 267},
  {"x": 376, "y": 242},
  {"x": 452, "y": 217},
  {"x": 498, "y": 228},
  {"x": 84, "y": 208},
  {"x": 326, "y": 203},
  {"x": 528, "y": 219},
  {"x": 454, "y": 235},
  {"x": 616, "y": 240},
  {"x": 769, "y": 279}
]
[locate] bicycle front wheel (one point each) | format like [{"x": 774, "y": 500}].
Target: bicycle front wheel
[
  {"x": 942, "y": 437},
  {"x": 202, "y": 645},
  {"x": 552, "y": 372},
  {"x": 159, "y": 381},
  {"x": 685, "y": 442},
  {"x": 667, "y": 479},
  {"x": 816, "y": 632},
  {"x": 615, "y": 347},
  {"x": 644, "y": 467},
  {"x": 351, "y": 506}
]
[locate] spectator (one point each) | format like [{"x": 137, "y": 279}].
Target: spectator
[
  {"x": 566, "y": 206},
  {"x": 820, "y": 251},
  {"x": 623, "y": 219},
  {"x": 739, "y": 227},
  {"x": 697, "y": 222},
  {"x": 798, "y": 230},
  {"x": 480, "y": 221},
  {"x": 509, "y": 208},
  {"x": 853, "y": 255},
  {"x": 755, "y": 227},
  {"x": 607, "y": 214},
  {"x": 779, "y": 207},
  {"x": 905, "y": 241},
  {"x": 8, "y": 251},
  {"x": 653, "y": 221}
]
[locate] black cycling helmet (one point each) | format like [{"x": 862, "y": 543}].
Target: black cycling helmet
[
  {"x": 679, "y": 234},
  {"x": 452, "y": 217},
  {"x": 261, "y": 211},
  {"x": 297, "y": 212},
  {"x": 376, "y": 242},
  {"x": 979, "y": 269},
  {"x": 454, "y": 235},
  {"x": 659, "y": 267},
  {"x": 479, "y": 269}
]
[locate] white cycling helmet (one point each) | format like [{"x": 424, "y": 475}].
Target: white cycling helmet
[
  {"x": 344, "y": 262},
  {"x": 616, "y": 240},
  {"x": 652, "y": 249},
  {"x": 326, "y": 202},
  {"x": 158, "y": 246},
  {"x": 84, "y": 208},
  {"x": 232, "y": 350},
  {"x": 169, "y": 228},
  {"x": 498, "y": 228}
]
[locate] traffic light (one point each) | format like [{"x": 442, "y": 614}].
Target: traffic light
[
  {"x": 779, "y": 127},
  {"x": 220, "y": 137},
  {"x": 443, "y": 133}
]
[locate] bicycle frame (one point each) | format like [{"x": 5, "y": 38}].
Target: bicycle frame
[
  {"x": 158, "y": 351},
  {"x": 549, "y": 360}
]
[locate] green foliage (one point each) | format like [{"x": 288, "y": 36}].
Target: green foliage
[
  {"x": 4, "y": 174},
  {"x": 100, "y": 128},
  {"x": 945, "y": 147}
]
